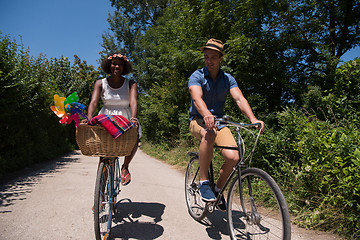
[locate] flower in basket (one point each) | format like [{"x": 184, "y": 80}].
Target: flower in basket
[{"x": 68, "y": 109}]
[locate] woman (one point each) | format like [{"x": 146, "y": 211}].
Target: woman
[{"x": 119, "y": 96}]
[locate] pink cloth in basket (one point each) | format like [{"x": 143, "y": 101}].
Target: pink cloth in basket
[{"x": 116, "y": 125}]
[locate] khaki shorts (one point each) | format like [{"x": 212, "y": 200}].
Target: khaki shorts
[{"x": 223, "y": 137}]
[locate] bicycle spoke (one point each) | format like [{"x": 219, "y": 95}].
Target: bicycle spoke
[
  {"x": 196, "y": 206},
  {"x": 102, "y": 202},
  {"x": 258, "y": 215}
]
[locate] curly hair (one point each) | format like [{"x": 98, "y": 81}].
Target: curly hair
[{"x": 106, "y": 63}]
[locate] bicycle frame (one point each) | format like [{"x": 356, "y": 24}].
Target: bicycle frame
[
  {"x": 248, "y": 214},
  {"x": 113, "y": 189},
  {"x": 114, "y": 166},
  {"x": 240, "y": 164}
]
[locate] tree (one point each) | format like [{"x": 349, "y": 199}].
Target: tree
[
  {"x": 31, "y": 132},
  {"x": 275, "y": 50},
  {"x": 129, "y": 22}
]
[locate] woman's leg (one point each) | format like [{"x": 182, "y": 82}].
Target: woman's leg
[{"x": 125, "y": 174}]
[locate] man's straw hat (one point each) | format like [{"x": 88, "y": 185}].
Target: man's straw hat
[{"x": 214, "y": 44}]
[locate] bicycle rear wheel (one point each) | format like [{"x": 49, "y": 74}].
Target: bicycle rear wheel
[
  {"x": 102, "y": 205},
  {"x": 263, "y": 213},
  {"x": 196, "y": 206}
]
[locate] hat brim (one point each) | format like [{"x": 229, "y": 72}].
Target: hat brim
[{"x": 212, "y": 48}]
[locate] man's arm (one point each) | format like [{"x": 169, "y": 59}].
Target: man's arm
[
  {"x": 244, "y": 106},
  {"x": 196, "y": 95}
]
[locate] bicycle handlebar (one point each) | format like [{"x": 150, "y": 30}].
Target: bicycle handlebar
[{"x": 225, "y": 121}]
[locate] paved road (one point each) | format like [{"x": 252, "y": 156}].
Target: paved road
[{"x": 54, "y": 202}]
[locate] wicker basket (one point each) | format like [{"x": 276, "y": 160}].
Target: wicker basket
[{"x": 95, "y": 141}]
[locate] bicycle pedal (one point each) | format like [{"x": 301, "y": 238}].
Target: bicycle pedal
[{"x": 210, "y": 207}]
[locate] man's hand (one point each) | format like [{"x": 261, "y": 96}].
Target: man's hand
[
  {"x": 209, "y": 121},
  {"x": 262, "y": 124}
]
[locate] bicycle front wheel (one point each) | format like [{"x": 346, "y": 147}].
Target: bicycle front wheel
[
  {"x": 102, "y": 205},
  {"x": 261, "y": 212},
  {"x": 117, "y": 182},
  {"x": 196, "y": 206}
]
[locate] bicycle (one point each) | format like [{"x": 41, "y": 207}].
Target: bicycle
[
  {"x": 107, "y": 187},
  {"x": 256, "y": 207}
]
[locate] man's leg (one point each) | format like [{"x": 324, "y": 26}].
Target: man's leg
[
  {"x": 231, "y": 157},
  {"x": 206, "y": 149},
  {"x": 225, "y": 138},
  {"x": 205, "y": 156}
]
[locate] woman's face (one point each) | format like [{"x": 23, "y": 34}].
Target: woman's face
[{"x": 117, "y": 67}]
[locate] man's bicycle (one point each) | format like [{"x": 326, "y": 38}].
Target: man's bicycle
[
  {"x": 256, "y": 207},
  {"x": 107, "y": 187}
]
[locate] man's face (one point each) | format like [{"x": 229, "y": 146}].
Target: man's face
[{"x": 212, "y": 59}]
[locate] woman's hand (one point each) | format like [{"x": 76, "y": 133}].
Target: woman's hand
[
  {"x": 135, "y": 121},
  {"x": 84, "y": 121}
]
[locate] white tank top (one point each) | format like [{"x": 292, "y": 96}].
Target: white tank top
[{"x": 116, "y": 100}]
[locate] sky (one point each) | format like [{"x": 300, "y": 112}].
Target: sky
[
  {"x": 57, "y": 27},
  {"x": 65, "y": 27}
]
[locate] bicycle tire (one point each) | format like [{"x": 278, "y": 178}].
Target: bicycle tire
[
  {"x": 196, "y": 206},
  {"x": 117, "y": 182},
  {"x": 267, "y": 218},
  {"x": 102, "y": 205}
]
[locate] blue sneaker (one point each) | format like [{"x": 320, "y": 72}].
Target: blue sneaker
[
  {"x": 222, "y": 204},
  {"x": 206, "y": 193}
]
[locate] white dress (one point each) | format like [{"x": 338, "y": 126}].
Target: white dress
[{"x": 116, "y": 100}]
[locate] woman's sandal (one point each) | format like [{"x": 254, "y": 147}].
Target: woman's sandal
[{"x": 125, "y": 180}]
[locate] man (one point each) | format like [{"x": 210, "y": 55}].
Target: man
[{"x": 208, "y": 88}]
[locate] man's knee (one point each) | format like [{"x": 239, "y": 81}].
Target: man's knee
[{"x": 231, "y": 156}]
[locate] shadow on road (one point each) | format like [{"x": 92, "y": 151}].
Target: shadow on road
[
  {"x": 216, "y": 224},
  {"x": 16, "y": 186},
  {"x": 137, "y": 220}
]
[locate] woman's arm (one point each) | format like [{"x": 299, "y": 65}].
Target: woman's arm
[
  {"x": 133, "y": 101},
  {"x": 94, "y": 98}
]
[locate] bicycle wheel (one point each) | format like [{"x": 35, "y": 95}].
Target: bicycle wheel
[
  {"x": 117, "y": 181},
  {"x": 196, "y": 206},
  {"x": 102, "y": 206},
  {"x": 263, "y": 213}
]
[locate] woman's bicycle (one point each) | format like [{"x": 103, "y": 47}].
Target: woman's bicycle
[
  {"x": 95, "y": 141},
  {"x": 256, "y": 207},
  {"x": 107, "y": 187}
]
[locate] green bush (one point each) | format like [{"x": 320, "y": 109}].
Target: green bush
[
  {"x": 318, "y": 164},
  {"x": 31, "y": 131}
]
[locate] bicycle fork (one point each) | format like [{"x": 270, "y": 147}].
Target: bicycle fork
[{"x": 252, "y": 216}]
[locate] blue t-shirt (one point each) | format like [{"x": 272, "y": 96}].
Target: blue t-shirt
[{"x": 214, "y": 93}]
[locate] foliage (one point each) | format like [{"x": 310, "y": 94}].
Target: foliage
[
  {"x": 273, "y": 50},
  {"x": 30, "y": 130},
  {"x": 314, "y": 154},
  {"x": 285, "y": 56},
  {"x": 317, "y": 162}
]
